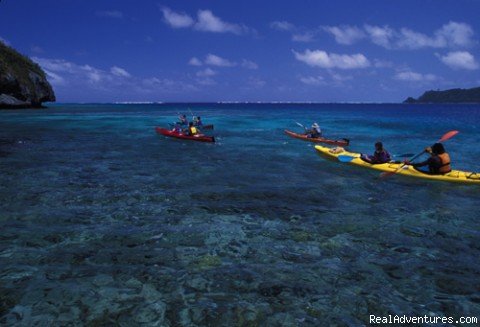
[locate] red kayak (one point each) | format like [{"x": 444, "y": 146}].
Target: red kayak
[
  {"x": 341, "y": 142},
  {"x": 198, "y": 137}
]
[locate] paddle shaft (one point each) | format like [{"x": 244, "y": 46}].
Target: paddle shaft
[{"x": 301, "y": 125}]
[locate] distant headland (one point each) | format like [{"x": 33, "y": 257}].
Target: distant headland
[
  {"x": 448, "y": 96},
  {"x": 23, "y": 84}
]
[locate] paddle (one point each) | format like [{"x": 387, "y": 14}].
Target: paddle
[
  {"x": 301, "y": 125},
  {"x": 444, "y": 138},
  {"x": 191, "y": 113},
  {"x": 345, "y": 158}
]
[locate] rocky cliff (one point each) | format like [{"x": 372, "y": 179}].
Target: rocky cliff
[
  {"x": 23, "y": 84},
  {"x": 449, "y": 96}
]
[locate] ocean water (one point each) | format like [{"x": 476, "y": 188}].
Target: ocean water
[{"x": 103, "y": 222}]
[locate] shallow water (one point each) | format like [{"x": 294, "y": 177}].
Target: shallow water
[{"x": 105, "y": 222}]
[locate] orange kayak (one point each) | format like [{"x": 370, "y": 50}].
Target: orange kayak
[{"x": 341, "y": 142}]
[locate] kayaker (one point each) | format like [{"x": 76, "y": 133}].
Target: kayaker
[
  {"x": 192, "y": 130},
  {"x": 379, "y": 156},
  {"x": 197, "y": 121},
  {"x": 314, "y": 131},
  {"x": 182, "y": 120},
  {"x": 438, "y": 163},
  {"x": 177, "y": 128}
]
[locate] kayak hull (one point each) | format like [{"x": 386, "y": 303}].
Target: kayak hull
[
  {"x": 170, "y": 133},
  {"x": 342, "y": 142},
  {"x": 457, "y": 176}
]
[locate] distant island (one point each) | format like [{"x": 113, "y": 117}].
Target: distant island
[
  {"x": 23, "y": 84},
  {"x": 448, "y": 96}
]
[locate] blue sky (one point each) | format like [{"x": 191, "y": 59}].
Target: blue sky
[{"x": 322, "y": 51}]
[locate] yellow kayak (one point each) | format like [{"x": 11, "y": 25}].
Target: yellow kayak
[{"x": 453, "y": 176}]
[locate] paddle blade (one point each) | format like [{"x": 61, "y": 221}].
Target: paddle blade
[
  {"x": 447, "y": 136},
  {"x": 300, "y": 125},
  {"x": 343, "y": 158}
]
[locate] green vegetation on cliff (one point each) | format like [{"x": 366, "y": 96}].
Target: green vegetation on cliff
[
  {"x": 22, "y": 82},
  {"x": 449, "y": 96}
]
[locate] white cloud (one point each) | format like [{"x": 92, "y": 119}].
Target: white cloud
[
  {"x": 249, "y": 64},
  {"x": 409, "y": 76},
  {"x": 215, "y": 60},
  {"x": 459, "y": 60},
  {"x": 110, "y": 14},
  {"x": 345, "y": 34},
  {"x": 380, "y": 35},
  {"x": 282, "y": 26},
  {"x": 208, "y": 22},
  {"x": 413, "y": 40},
  {"x": 303, "y": 37},
  {"x": 450, "y": 35},
  {"x": 117, "y": 71},
  {"x": 311, "y": 80},
  {"x": 298, "y": 34},
  {"x": 68, "y": 75},
  {"x": 55, "y": 79},
  {"x": 456, "y": 34},
  {"x": 320, "y": 58},
  {"x": 194, "y": 61},
  {"x": 207, "y": 72},
  {"x": 176, "y": 20}
]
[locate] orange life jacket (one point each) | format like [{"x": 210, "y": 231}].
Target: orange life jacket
[{"x": 445, "y": 167}]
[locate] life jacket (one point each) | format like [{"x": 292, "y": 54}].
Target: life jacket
[
  {"x": 445, "y": 166},
  {"x": 193, "y": 130},
  {"x": 381, "y": 156}
]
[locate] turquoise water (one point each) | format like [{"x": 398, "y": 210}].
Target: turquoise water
[{"x": 104, "y": 222}]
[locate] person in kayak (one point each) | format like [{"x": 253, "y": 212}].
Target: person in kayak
[
  {"x": 314, "y": 132},
  {"x": 182, "y": 120},
  {"x": 192, "y": 130},
  {"x": 438, "y": 163},
  {"x": 197, "y": 121},
  {"x": 379, "y": 156}
]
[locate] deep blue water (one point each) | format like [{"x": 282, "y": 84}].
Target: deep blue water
[{"x": 105, "y": 222}]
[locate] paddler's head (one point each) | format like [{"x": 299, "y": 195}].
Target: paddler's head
[
  {"x": 438, "y": 148},
  {"x": 379, "y": 146}
]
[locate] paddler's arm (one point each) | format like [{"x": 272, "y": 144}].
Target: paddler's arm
[{"x": 419, "y": 164}]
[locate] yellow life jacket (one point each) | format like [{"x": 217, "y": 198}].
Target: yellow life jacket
[
  {"x": 445, "y": 167},
  {"x": 193, "y": 130}
]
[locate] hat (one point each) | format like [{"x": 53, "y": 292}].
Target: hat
[{"x": 315, "y": 125}]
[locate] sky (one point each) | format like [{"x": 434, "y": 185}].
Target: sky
[{"x": 208, "y": 51}]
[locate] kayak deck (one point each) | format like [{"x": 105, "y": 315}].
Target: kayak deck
[
  {"x": 198, "y": 137},
  {"x": 408, "y": 170},
  {"x": 341, "y": 142}
]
